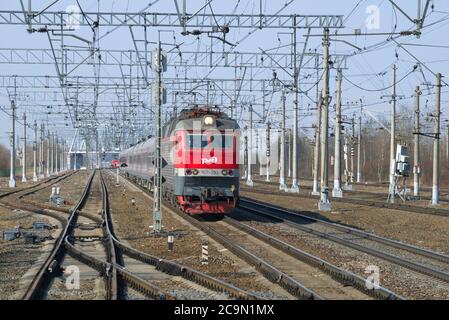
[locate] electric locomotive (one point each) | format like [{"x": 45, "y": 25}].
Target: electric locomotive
[{"x": 200, "y": 170}]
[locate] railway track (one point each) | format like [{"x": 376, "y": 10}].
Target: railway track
[
  {"x": 363, "y": 202},
  {"x": 192, "y": 279},
  {"x": 38, "y": 186},
  {"x": 429, "y": 263},
  {"x": 303, "y": 275},
  {"x": 372, "y": 184},
  {"x": 89, "y": 223}
]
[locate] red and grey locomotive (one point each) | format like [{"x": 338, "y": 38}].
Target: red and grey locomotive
[{"x": 200, "y": 149}]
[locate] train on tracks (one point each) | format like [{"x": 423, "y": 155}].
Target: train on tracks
[
  {"x": 115, "y": 163},
  {"x": 200, "y": 151}
]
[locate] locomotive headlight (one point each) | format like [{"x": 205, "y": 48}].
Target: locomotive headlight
[{"x": 208, "y": 120}]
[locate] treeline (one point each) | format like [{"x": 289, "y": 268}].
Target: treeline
[{"x": 4, "y": 161}]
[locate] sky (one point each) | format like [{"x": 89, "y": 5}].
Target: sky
[{"x": 367, "y": 77}]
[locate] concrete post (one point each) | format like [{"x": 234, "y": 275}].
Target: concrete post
[
  {"x": 268, "y": 152},
  {"x": 316, "y": 151},
  {"x": 41, "y": 152},
  {"x": 416, "y": 166},
  {"x": 392, "y": 191},
  {"x": 12, "y": 174},
  {"x": 24, "y": 149},
  {"x": 249, "y": 179},
  {"x": 48, "y": 153},
  {"x": 157, "y": 203},
  {"x": 35, "y": 152},
  {"x": 282, "y": 172},
  {"x": 56, "y": 154},
  {"x": 52, "y": 154},
  {"x": 359, "y": 152},
  {"x": 336, "y": 191},
  {"x": 295, "y": 153},
  {"x": 436, "y": 145},
  {"x": 324, "y": 204}
]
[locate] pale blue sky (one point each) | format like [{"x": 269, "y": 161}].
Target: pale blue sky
[{"x": 370, "y": 69}]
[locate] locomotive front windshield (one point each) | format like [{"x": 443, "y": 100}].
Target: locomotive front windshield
[{"x": 202, "y": 141}]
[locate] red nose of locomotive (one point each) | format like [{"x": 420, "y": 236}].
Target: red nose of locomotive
[{"x": 206, "y": 169}]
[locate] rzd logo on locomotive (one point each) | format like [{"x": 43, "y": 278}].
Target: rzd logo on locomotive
[{"x": 209, "y": 161}]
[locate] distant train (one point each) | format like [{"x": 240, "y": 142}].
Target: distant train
[
  {"x": 201, "y": 170},
  {"x": 115, "y": 163}
]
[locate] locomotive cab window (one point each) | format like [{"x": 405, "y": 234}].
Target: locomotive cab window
[{"x": 202, "y": 141}]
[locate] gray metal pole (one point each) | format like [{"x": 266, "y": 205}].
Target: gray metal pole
[
  {"x": 289, "y": 152},
  {"x": 48, "y": 153},
  {"x": 52, "y": 153},
  {"x": 352, "y": 149},
  {"x": 282, "y": 173},
  {"x": 66, "y": 158},
  {"x": 392, "y": 140},
  {"x": 35, "y": 152},
  {"x": 436, "y": 146},
  {"x": 359, "y": 152},
  {"x": 157, "y": 214},
  {"x": 41, "y": 152},
  {"x": 268, "y": 152},
  {"x": 12, "y": 174},
  {"x": 97, "y": 150},
  {"x": 245, "y": 154},
  {"x": 416, "y": 166},
  {"x": 61, "y": 154},
  {"x": 336, "y": 191},
  {"x": 447, "y": 145},
  {"x": 295, "y": 156},
  {"x": 86, "y": 162},
  {"x": 317, "y": 153},
  {"x": 324, "y": 204},
  {"x": 56, "y": 152},
  {"x": 24, "y": 149},
  {"x": 249, "y": 179}
]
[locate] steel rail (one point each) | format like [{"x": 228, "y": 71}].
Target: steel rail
[
  {"x": 55, "y": 257},
  {"x": 111, "y": 250},
  {"x": 177, "y": 269},
  {"x": 343, "y": 276},
  {"x": 64, "y": 176},
  {"x": 417, "y": 267},
  {"x": 365, "y": 202},
  {"x": 112, "y": 269},
  {"x": 106, "y": 269},
  {"x": 270, "y": 272},
  {"x": 267, "y": 270}
]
